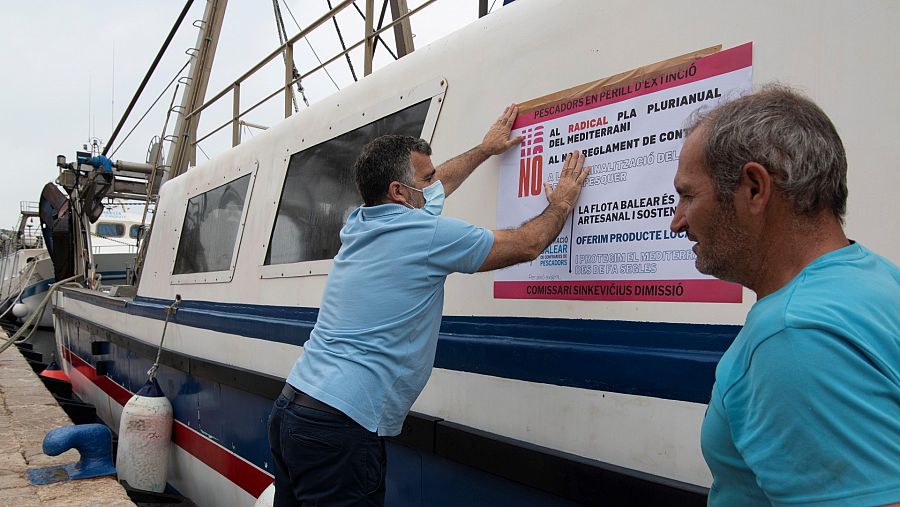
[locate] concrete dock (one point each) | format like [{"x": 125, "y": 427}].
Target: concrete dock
[{"x": 27, "y": 412}]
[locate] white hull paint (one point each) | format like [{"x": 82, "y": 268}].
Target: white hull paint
[{"x": 203, "y": 485}]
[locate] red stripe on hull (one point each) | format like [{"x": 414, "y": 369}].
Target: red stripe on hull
[
  {"x": 250, "y": 478},
  {"x": 114, "y": 390}
]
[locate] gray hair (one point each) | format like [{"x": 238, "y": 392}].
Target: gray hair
[
  {"x": 787, "y": 134},
  {"x": 384, "y": 160}
]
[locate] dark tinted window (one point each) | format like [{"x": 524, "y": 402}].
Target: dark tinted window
[
  {"x": 320, "y": 190},
  {"x": 134, "y": 232},
  {"x": 110, "y": 230},
  {"x": 210, "y": 229}
]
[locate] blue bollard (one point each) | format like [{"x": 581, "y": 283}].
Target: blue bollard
[{"x": 92, "y": 441}]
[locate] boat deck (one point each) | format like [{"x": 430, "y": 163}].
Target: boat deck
[{"x": 27, "y": 412}]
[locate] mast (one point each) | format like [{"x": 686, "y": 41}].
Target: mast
[
  {"x": 183, "y": 150},
  {"x": 402, "y": 30}
]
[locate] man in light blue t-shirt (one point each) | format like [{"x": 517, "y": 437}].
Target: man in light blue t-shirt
[
  {"x": 805, "y": 409},
  {"x": 373, "y": 345}
]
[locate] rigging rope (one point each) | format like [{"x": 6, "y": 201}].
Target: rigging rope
[
  {"x": 380, "y": 24},
  {"x": 282, "y": 38},
  {"x": 152, "y": 68},
  {"x": 177, "y": 74},
  {"x": 94, "y": 234},
  {"x": 311, "y": 48},
  {"x": 341, "y": 38}
]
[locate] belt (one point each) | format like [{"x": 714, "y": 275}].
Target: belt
[{"x": 304, "y": 400}]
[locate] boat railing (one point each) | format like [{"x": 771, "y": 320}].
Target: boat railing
[
  {"x": 29, "y": 208},
  {"x": 286, "y": 50},
  {"x": 28, "y": 233},
  {"x": 117, "y": 248}
]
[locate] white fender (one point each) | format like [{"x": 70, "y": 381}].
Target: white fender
[
  {"x": 20, "y": 310},
  {"x": 145, "y": 435}
]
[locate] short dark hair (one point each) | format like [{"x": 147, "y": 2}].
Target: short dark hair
[
  {"x": 384, "y": 160},
  {"x": 786, "y": 133}
]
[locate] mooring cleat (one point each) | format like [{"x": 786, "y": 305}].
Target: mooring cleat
[{"x": 92, "y": 441}]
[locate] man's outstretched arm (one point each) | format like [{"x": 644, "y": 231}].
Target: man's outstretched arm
[
  {"x": 512, "y": 246},
  {"x": 453, "y": 172}
]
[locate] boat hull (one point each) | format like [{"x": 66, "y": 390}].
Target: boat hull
[{"x": 466, "y": 424}]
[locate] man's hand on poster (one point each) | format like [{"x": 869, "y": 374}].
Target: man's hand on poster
[
  {"x": 454, "y": 171},
  {"x": 571, "y": 180},
  {"x": 497, "y": 140},
  {"x": 525, "y": 243}
]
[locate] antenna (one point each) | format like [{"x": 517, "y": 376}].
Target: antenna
[
  {"x": 112, "y": 107},
  {"x": 90, "y": 97}
]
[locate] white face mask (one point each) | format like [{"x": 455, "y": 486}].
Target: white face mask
[{"x": 434, "y": 197}]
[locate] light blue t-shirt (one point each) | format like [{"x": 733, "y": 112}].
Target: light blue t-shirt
[
  {"x": 372, "y": 349},
  {"x": 806, "y": 405}
]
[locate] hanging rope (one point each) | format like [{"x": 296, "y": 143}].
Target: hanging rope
[
  {"x": 172, "y": 308},
  {"x": 341, "y": 38}
]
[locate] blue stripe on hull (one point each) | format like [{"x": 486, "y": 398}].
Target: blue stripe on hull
[
  {"x": 44, "y": 285},
  {"x": 662, "y": 360},
  {"x": 36, "y": 288}
]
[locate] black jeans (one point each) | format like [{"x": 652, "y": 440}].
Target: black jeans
[{"x": 323, "y": 459}]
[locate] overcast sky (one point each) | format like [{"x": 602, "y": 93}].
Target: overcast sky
[{"x": 71, "y": 67}]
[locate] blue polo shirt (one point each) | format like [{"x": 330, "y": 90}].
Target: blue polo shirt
[
  {"x": 806, "y": 405},
  {"x": 372, "y": 348}
]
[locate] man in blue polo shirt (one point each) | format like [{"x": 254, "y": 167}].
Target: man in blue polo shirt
[
  {"x": 805, "y": 409},
  {"x": 373, "y": 345}
]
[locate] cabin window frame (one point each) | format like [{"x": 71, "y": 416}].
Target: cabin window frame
[
  {"x": 433, "y": 90},
  {"x": 117, "y": 225},
  {"x": 222, "y": 276}
]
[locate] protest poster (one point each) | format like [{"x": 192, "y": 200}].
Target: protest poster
[{"x": 616, "y": 245}]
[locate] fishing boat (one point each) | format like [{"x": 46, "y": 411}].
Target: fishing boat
[
  {"x": 31, "y": 270},
  {"x": 534, "y": 400},
  {"x": 24, "y": 260}
]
